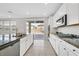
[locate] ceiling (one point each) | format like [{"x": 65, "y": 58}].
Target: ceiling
[{"x": 26, "y": 10}]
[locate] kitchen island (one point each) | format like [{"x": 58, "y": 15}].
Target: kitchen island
[{"x": 10, "y": 45}]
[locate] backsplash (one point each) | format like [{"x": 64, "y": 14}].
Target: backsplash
[
  {"x": 62, "y": 35},
  {"x": 69, "y": 30}
]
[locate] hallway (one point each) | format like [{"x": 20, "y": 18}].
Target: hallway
[{"x": 40, "y": 47}]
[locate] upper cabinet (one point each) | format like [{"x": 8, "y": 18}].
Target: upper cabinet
[
  {"x": 61, "y": 12},
  {"x": 72, "y": 13},
  {"x": 69, "y": 9}
]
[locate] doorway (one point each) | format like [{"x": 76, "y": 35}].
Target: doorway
[{"x": 36, "y": 28}]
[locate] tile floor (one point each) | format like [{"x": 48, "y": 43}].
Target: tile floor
[{"x": 41, "y": 48}]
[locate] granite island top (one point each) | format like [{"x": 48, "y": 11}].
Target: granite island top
[{"x": 8, "y": 40}]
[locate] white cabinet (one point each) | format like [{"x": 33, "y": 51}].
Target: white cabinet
[
  {"x": 63, "y": 48},
  {"x": 72, "y": 13},
  {"x": 71, "y": 53},
  {"x": 19, "y": 48},
  {"x": 72, "y": 49},
  {"x": 66, "y": 49},
  {"x": 54, "y": 43},
  {"x": 25, "y": 43},
  {"x": 61, "y": 12}
]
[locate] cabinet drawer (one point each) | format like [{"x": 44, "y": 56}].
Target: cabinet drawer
[
  {"x": 62, "y": 50},
  {"x": 70, "y": 53},
  {"x": 72, "y": 48},
  {"x": 75, "y": 51}
]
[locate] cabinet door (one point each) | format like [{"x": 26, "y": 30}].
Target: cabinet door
[
  {"x": 72, "y": 13},
  {"x": 57, "y": 45},
  {"x": 60, "y": 13},
  {"x": 71, "y": 53},
  {"x": 63, "y": 51},
  {"x": 25, "y": 43},
  {"x": 52, "y": 42},
  {"x": 68, "y": 49},
  {"x": 23, "y": 46}
]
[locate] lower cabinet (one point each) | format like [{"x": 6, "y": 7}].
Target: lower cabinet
[
  {"x": 25, "y": 43},
  {"x": 52, "y": 41},
  {"x": 62, "y": 51},
  {"x": 71, "y": 53},
  {"x": 63, "y": 48},
  {"x": 19, "y": 48},
  {"x": 65, "y": 51}
]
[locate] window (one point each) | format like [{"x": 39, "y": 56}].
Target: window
[
  {"x": 7, "y": 26},
  {"x": 0, "y": 37},
  {"x": 1, "y": 25},
  {"x": 13, "y": 26},
  {"x": 6, "y": 38}
]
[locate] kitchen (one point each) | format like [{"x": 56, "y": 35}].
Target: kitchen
[{"x": 61, "y": 25}]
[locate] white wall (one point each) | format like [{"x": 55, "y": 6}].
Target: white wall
[
  {"x": 72, "y": 13},
  {"x": 21, "y": 26},
  {"x": 46, "y": 27}
]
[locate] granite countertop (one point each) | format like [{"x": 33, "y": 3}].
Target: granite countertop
[
  {"x": 72, "y": 41},
  {"x": 8, "y": 40}
]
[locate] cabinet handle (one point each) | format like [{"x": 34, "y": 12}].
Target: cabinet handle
[{"x": 73, "y": 50}]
